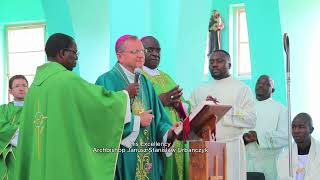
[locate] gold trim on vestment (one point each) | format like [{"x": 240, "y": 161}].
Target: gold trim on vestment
[{"x": 39, "y": 125}]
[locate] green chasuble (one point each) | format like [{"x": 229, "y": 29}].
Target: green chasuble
[
  {"x": 177, "y": 165},
  {"x": 149, "y": 164},
  {"x": 9, "y": 122},
  {"x": 68, "y": 128}
]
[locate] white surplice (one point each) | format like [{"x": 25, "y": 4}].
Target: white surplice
[
  {"x": 230, "y": 128},
  {"x": 272, "y": 133}
]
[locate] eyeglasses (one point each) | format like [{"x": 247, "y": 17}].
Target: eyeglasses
[
  {"x": 77, "y": 53},
  {"x": 137, "y": 51},
  {"x": 22, "y": 85},
  {"x": 150, "y": 50}
]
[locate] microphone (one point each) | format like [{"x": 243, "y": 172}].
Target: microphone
[{"x": 137, "y": 72}]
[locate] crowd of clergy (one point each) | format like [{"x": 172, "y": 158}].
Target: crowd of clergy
[{"x": 57, "y": 127}]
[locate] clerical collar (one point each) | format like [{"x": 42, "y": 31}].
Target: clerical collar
[
  {"x": 151, "y": 72},
  {"x": 18, "y": 103},
  {"x": 129, "y": 74}
]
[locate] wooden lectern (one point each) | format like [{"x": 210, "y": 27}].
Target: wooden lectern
[{"x": 210, "y": 165}]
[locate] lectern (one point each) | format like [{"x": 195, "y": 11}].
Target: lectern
[{"x": 208, "y": 159}]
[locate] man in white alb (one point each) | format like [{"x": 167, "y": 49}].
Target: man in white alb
[
  {"x": 229, "y": 91},
  {"x": 267, "y": 140},
  {"x": 305, "y": 152}
]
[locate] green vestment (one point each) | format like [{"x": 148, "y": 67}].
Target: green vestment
[
  {"x": 130, "y": 165},
  {"x": 177, "y": 165},
  {"x": 9, "y": 122},
  {"x": 67, "y": 126}
]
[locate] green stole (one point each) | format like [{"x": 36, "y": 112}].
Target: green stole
[
  {"x": 9, "y": 122},
  {"x": 144, "y": 160},
  {"x": 177, "y": 165},
  {"x": 142, "y": 165}
]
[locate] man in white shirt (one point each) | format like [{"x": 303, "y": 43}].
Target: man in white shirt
[
  {"x": 270, "y": 136},
  {"x": 305, "y": 152},
  {"x": 229, "y": 129}
]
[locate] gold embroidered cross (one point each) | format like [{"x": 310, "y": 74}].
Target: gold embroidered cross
[{"x": 39, "y": 124}]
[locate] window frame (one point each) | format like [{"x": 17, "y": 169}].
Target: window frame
[
  {"x": 7, "y": 74},
  {"x": 235, "y": 42}
]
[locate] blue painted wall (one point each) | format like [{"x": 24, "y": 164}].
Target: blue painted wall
[
  {"x": 17, "y": 11},
  {"x": 59, "y": 19},
  {"x": 90, "y": 23}
]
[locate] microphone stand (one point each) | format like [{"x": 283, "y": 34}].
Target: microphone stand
[{"x": 287, "y": 51}]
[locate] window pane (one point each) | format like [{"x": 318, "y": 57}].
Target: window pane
[
  {"x": 25, "y": 63},
  {"x": 243, "y": 30},
  {"x": 22, "y": 40},
  {"x": 244, "y": 59},
  {"x": 30, "y": 79}
]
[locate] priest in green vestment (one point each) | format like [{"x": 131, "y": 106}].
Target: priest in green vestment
[
  {"x": 144, "y": 143},
  {"x": 170, "y": 94},
  {"x": 70, "y": 129},
  {"x": 9, "y": 123}
]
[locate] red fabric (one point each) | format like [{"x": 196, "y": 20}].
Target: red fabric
[
  {"x": 182, "y": 114},
  {"x": 186, "y": 129}
]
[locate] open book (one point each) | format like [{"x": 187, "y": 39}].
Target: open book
[{"x": 202, "y": 113}]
